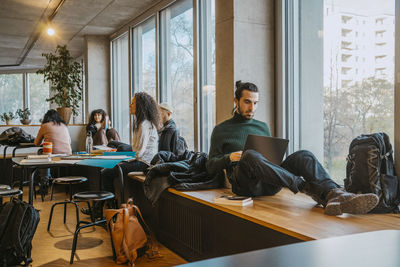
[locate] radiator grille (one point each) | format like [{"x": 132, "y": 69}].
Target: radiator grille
[{"x": 181, "y": 223}]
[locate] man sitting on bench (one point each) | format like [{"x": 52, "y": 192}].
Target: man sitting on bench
[{"x": 251, "y": 174}]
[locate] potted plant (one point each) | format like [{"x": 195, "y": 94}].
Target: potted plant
[
  {"x": 24, "y": 114},
  {"x": 7, "y": 117},
  {"x": 64, "y": 75}
]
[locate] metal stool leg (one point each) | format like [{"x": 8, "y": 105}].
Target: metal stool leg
[
  {"x": 51, "y": 216},
  {"x": 59, "y": 203},
  {"x": 65, "y": 211},
  {"x": 76, "y": 240},
  {"x": 52, "y": 191},
  {"x": 77, "y": 214}
]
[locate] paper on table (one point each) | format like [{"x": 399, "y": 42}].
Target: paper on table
[
  {"x": 36, "y": 160},
  {"x": 111, "y": 157}
]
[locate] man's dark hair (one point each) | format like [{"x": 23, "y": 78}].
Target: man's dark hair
[
  {"x": 146, "y": 109},
  {"x": 97, "y": 111},
  {"x": 244, "y": 86},
  {"x": 52, "y": 116}
]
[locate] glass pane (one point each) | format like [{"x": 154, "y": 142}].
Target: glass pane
[
  {"x": 120, "y": 87},
  {"x": 358, "y": 75},
  {"x": 11, "y": 94},
  {"x": 207, "y": 61},
  {"x": 177, "y": 65},
  {"x": 144, "y": 57},
  {"x": 38, "y": 92}
]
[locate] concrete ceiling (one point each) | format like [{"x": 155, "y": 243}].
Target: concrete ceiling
[{"x": 21, "y": 20}]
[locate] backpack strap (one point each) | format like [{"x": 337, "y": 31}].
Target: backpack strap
[{"x": 153, "y": 251}]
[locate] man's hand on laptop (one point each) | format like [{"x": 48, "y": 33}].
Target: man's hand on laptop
[{"x": 235, "y": 156}]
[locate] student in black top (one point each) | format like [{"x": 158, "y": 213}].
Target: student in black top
[
  {"x": 99, "y": 126},
  {"x": 169, "y": 138}
]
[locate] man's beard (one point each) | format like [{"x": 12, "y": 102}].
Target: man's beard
[{"x": 245, "y": 116}]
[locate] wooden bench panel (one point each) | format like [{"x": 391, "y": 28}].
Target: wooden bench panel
[
  {"x": 296, "y": 215},
  {"x": 271, "y": 221}
]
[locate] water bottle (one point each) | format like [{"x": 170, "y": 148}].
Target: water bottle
[{"x": 89, "y": 143}]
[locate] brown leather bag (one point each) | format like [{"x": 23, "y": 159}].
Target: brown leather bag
[{"x": 127, "y": 234}]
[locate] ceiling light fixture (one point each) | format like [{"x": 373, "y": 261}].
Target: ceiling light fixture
[{"x": 50, "y": 31}]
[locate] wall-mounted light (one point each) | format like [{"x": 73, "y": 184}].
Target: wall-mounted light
[{"x": 50, "y": 31}]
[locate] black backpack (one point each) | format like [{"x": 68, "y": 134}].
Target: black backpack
[
  {"x": 370, "y": 169},
  {"x": 180, "y": 145},
  {"x": 18, "y": 223},
  {"x": 14, "y": 136}
]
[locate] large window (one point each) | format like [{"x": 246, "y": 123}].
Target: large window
[
  {"x": 38, "y": 92},
  {"x": 207, "y": 72},
  {"x": 120, "y": 86},
  {"x": 11, "y": 93},
  {"x": 144, "y": 57},
  {"x": 340, "y": 57},
  {"x": 24, "y": 90},
  {"x": 358, "y": 75},
  {"x": 177, "y": 65}
]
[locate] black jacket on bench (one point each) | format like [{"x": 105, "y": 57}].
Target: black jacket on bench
[{"x": 185, "y": 172}]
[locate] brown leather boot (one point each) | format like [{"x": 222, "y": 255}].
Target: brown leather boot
[{"x": 339, "y": 202}]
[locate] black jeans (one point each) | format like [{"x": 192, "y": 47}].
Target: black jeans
[
  {"x": 108, "y": 176},
  {"x": 254, "y": 175},
  {"x": 119, "y": 146}
]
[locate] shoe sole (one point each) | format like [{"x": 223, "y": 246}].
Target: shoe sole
[{"x": 360, "y": 204}]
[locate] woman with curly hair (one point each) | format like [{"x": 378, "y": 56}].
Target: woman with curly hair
[
  {"x": 144, "y": 140},
  {"x": 99, "y": 127}
]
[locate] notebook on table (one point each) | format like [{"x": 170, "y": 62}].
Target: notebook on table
[
  {"x": 272, "y": 148},
  {"x": 233, "y": 200}
]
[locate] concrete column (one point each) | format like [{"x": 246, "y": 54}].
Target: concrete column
[
  {"x": 245, "y": 51},
  {"x": 97, "y": 68}
]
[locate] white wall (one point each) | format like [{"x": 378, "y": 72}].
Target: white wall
[{"x": 97, "y": 67}]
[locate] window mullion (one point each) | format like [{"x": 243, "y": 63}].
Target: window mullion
[{"x": 25, "y": 82}]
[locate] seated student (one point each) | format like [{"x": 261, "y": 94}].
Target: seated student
[
  {"x": 99, "y": 126},
  {"x": 54, "y": 130},
  {"x": 253, "y": 175},
  {"x": 169, "y": 135},
  {"x": 144, "y": 140}
]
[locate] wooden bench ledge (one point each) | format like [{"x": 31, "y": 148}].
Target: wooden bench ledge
[
  {"x": 138, "y": 176},
  {"x": 296, "y": 215}
]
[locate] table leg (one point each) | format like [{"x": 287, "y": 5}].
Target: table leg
[
  {"x": 31, "y": 187},
  {"x": 121, "y": 181},
  {"x": 21, "y": 182}
]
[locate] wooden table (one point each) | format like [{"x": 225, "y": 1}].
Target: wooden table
[
  {"x": 372, "y": 249},
  {"x": 29, "y": 165},
  {"x": 59, "y": 163}
]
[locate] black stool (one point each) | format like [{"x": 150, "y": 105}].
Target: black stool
[
  {"x": 68, "y": 180},
  {"x": 86, "y": 197},
  {"x": 7, "y": 191}
]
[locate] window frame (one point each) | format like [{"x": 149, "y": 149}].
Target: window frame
[{"x": 112, "y": 68}]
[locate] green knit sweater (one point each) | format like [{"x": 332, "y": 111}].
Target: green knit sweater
[{"x": 230, "y": 136}]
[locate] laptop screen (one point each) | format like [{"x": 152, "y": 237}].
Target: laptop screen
[{"x": 272, "y": 148}]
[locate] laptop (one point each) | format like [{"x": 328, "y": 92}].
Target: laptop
[{"x": 272, "y": 148}]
